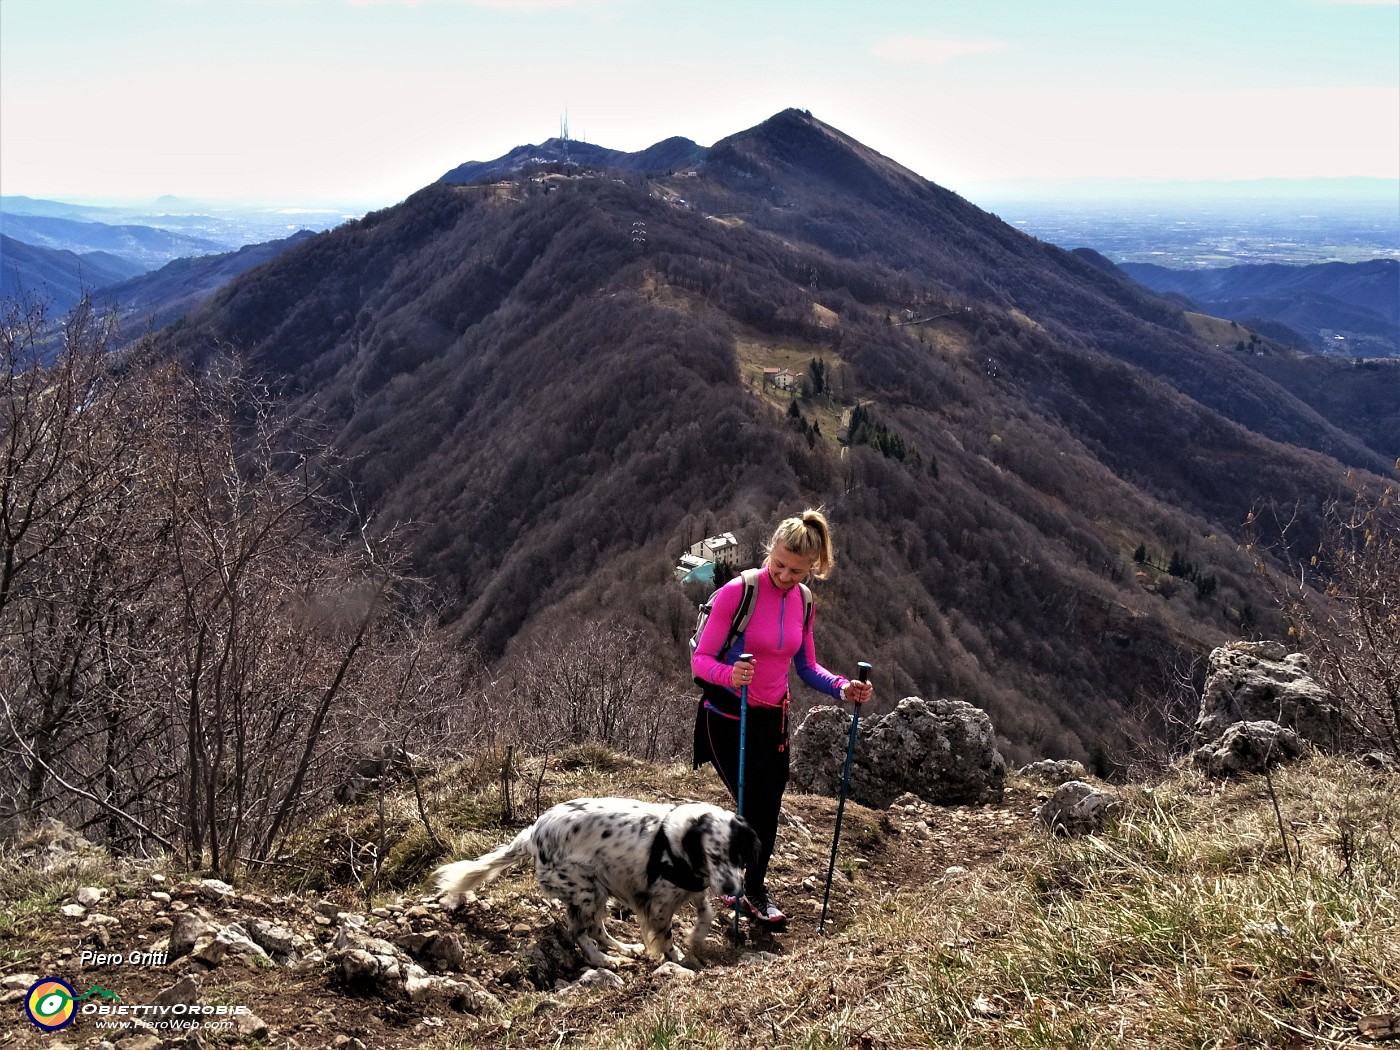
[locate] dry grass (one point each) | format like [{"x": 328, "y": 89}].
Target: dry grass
[
  {"x": 1226, "y": 335},
  {"x": 1197, "y": 920},
  {"x": 1187, "y": 924}
]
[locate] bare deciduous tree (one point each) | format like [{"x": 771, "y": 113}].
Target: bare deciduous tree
[
  {"x": 596, "y": 681},
  {"x": 191, "y": 628},
  {"x": 1342, "y": 602}
]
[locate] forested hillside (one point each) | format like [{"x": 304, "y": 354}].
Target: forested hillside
[
  {"x": 58, "y": 276},
  {"x": 1038, "y": 506}
]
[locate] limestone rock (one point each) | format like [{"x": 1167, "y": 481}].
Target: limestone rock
[
  {"x": 214, "y": 890},
  {"x": 210, "y": 949},
  {"x": 185, "y": 991},
  {"x": 235, "y": 937},
  {"x": 438, "y": 951},
  {"x": 358, "y": 969},
  {"x": 389, "y": 975},
  {"x": 1248, "y": 747},
  {"x": 185, "y": 934},
  {"x": 1054, "y": 771},
  {"x": 1262, "y": 682},
  {"x": 55, "y": 838},
  {"x": 282, "y": 945},
  {"x": 1077, "y": 808},
  {"x": 943, "y": 751},
  {"x": 598, "y": 978},
  {"x": 250, "y": 1028}
]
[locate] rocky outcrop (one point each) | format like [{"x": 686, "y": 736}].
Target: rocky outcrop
[
  {"x": 1262, "y": 706},
  {"x": 1248, "y": 747},
  {"x": 51, "y": 843},
  {"x": 367, "y": 965},
  {"x": 1077, "y": 808},
  {"x": 1263, "y": 682},
  {"x": 942, "y": 751},
  {"x": 207, "y": 930},
  {"x": 1054, "y": 771}
]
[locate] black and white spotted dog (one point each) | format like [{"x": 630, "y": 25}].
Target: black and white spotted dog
[{"x": 649, "y": 857}]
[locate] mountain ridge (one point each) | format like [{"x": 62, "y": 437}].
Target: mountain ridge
[
  {"x": 56, "y": 275},
  {"x": 667, "y": 155},
  {"x": 564, "y": 403}
]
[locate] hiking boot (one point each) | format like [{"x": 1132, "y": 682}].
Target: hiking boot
[{"x": 758, "y": 908}]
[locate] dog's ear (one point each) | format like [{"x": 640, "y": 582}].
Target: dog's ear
[
  {"x": 743, "y": 843},
  {"x": 693, "y": 844}
]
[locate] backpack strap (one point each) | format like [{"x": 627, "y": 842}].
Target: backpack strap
[
  {"x": 808, "y": 606},
  {"x": 744, "y": 612}
]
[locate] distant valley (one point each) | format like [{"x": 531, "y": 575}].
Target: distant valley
[
  {"x": 55, "y": 251},
  {"x": 1180, "y": 231},
  {"x": 1345, "y": 309}
]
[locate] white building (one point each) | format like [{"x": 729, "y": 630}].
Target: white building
[
  {"x": 722, "y": 550},
  {"x": 782, "y": 378}
]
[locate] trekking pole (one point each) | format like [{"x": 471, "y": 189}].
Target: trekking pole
[
  {"x": 743, "y": 732},
  {"x": 841, "y": 805}
]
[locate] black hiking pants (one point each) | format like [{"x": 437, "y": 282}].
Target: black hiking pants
[{"x": 765, "y": 764}]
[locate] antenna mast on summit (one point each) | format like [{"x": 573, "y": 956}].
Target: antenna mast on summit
[{"x": 564, "y": 134}]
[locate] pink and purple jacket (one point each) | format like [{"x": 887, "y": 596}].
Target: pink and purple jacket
[{"x": 775, "y": 638}]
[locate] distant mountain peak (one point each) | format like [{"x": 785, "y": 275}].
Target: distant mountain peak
[{"x": 795, "y": 143}]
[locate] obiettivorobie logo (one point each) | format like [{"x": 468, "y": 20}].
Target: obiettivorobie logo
[{"x": 52, "y": 1004}]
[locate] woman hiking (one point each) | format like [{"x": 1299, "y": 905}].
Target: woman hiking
[{"x": 778, "y": 636}]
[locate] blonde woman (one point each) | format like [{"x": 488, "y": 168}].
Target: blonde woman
[{"x": 778, "y": 636}]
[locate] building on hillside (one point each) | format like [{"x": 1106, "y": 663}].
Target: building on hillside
[
  {"x": 781, "y": 378},
  {"x": 690, "y": 565},
  {"x": 722, "y": 549},
  {"x": 698, "y": 563}
]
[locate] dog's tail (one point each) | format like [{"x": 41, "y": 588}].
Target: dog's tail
[{"x": 457, "y": 878}]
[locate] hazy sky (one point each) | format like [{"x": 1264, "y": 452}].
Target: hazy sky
[{"x": 368, "y": 100}]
